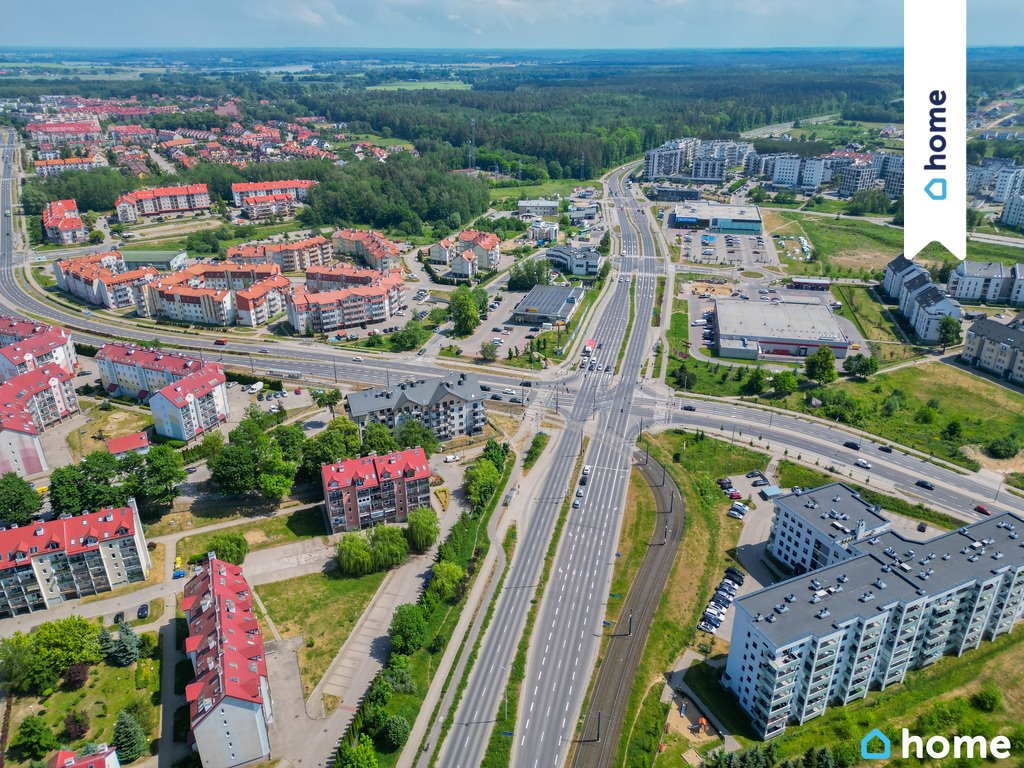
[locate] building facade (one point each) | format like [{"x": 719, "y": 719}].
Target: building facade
[
  {"x": 102, "y": 278},
  {"x": 192, "y": 406},
  {"x": 537, "y": 208},
  {"x": 996, "y": 348},
  {"x": 296, "y": 189},
  {"x": 376, "y": 251},
  {"x": 290, "y": 256},
  {"x": 229, "y": 700},
  {"x": 579, "y": 261},
  {"x": 45, "y": 564},
  {"x": 368, "y": 297},
  {"x": 62, "y": 223},
  {"x": 158, "y": 201},
  {"x": 360, "y": 493},
  {"x": 991, "y": 282}
]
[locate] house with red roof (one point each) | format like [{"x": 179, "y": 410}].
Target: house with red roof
[
  {"x": 262, "y": 301},
  {"x": 29, "y": 404},
  {"x": 102, "y": 757},
  {"x": 297, "y": 189},
  {"x": 69, "y": 558},
  {"x": 162, "y": 200},
  {"x": 191, "y": 406},
  {"x": 51, "y": 346},
  {"x": 483, "y": 245},
  {"x": 229, "y": 699},
  {"x": 62, "y": 223},
  {"x": 134, "y": 443},
  {"x": 441, "y": 252},
  {"x": 360, "y": 493}
]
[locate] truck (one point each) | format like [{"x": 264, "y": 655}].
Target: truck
[
  {"x": 256, "y": 387},
  {"x": 589, "y": 347}
]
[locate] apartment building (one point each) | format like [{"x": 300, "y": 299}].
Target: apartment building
[
  {"x": 812, "y": 175},
  {"x": 1013, "y": 211},
  {"x": 62, "y": 223},
  {"x": 262, "y": 301},
  {"x": 296, "y": 189},
  {"x": 920, "y": 301},
  {"x": 102, "y": 278},
  {"x": 59, "y": 165},
  {"x": 50, "y": 346},
  {"x": 884, "y": 606},
  {"x": 996, "y": 348},
  {"x": 47, "y": 563},
  {"x": 208, "y": 294},
  {"x": 376, "y": 251},
  {"x": 1008, "y": 182},
  {"x": 102, "y": 756},
  {"x": 897, "y": 272},
  {"x": 787, "y": 171},
  {"x": 464, "y": 265},
  {"x": 230, "y": 707},
  {"x": 132, "y": 134},
  {"x": 584, "y": 261},
  {"x": 290, "y": 255},
  {"x": 989, "y": 281},
  {"x": 60, "y": 133},
  {"x": 30, "y": 403},
  {"x": 333, "y": 310},
  {"x": 441, "y": 252},
  {"x": 731, "y": 152},
  {"x": 670, "y": 159},
  {"x": 267, "y": 206},
  {"x": 537, "y": 208},
  {"x": 360, "y": 493},
  {"x": 191, "y": 406},
  {"x": 450, "y": 406},
  {"x": 483, "y": 245},
  {"x": 341, "y": 276},
  {"x": 855, "y": 178},
  {"x": 708, "y": 170},
  {"x": 543, "y": 232},
  {"x": 157, "y": 201}
]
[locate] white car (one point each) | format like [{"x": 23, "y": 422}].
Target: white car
[
  {"x": 735, "y": 513},
  {"x": 508, "y": 391},
  {"x": 740, "y": 507},
  {"x": 451, "y": 458},
  {"x": 357, "y": 359},
  {"x": 586, "y": 469},
  {"x": 863, "y": 463}
]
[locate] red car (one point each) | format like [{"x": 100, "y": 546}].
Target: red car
[
  {"x": 298, "y": 390},
  {"x": 735, "y": 495},
  {"x": 982, "y": 510}
]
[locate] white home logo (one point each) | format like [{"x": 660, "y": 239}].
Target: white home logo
[{"x": 940, "y": 747}]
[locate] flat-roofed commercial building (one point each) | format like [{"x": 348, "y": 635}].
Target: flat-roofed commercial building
[
  {"x": 548, "y": 304},
  {"x": 717, "y": 217},
  {"x": 748, "y": 329}
]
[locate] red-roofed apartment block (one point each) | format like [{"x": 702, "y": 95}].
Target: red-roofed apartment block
[
  {"x": 207, "y": 293},
  {"x": 50, "y": 346},
  {"x": 265, "y": 206},
  {"x": 290, "y": 256},
  {"x": 29, "y": 403},
  {"x": 229, "y": 699},
  {"x": 372, "y": 247},
  {"x": 359, "y": 493},
  {"x": 102, "y": 757},
  {"x": 483, "y": 245},
  {"x": 44, "y": 564},
  {"x": 64, "y": 133},
  {"x": 297, "y": 189},
  {"x": 62, "y": 223},
  {"x": 375, "y": 302},
  {"x": 136, "y": 443},
  {"x": 187, "y": 397},
  {"x": 159, "y": 200},
  {"x": 101, "y": 278}
]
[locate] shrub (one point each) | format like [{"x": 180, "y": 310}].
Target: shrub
[
  {"x": 76, "y": 676},
  {"x": 76, "y": 724},
  {"x": 988, "y": 699},
  {"x": 1004, "y": 447},
  {"x": 408, "y": 629},
  {"x": 395, "y": 732}
]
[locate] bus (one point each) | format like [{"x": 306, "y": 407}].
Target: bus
[{"x": 588, "y": 349}]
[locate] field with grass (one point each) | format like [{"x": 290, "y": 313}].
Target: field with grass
[
  {"x": 707, "y": 539},
  {"x": 323, "y": 607},
  {"x": 937, "y": 700},
  {"x": 422, "y": 85},
  {"x": 866, "y": 312},
  {"x": 850, "y": 243},
  {"x": 260, "y": 534},
  {"x": 543, "y": 189},
  {"x": 109, "y": 690},
  {"x": 103, "y": 425},
  {"x": 638, "y": 520}
]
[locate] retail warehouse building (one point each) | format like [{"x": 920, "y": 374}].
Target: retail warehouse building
[
  {"x": 717, "y": 217},
  {"x": 747, "y": 330}
]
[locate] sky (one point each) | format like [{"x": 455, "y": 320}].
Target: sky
[{"x": 476, "y": 24}]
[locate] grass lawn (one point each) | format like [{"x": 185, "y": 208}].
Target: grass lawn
[
  {"x": 984, "y": 410},
  {"x": 260, "y": 534},
  {"x": 707, "y": 539},
  {"x": 422, "y": 85},
  {"x": 44, "y": 275},
  {"x": 1000, "y": 662},
  {"x": 638, "y": 522},
  {"x": 108, "y": 691},
  {"x": 324, "y": 607},
  {"x": 543, "y": 189},
  {"x": 104, "y": 424},
  {"x": 537, "y": 445},
  {"x": 207, "y": 510},
  {"x": 867, "y": 313},
  {"x": 850, "y": 242},
  {"x": 826, "y": 206}
]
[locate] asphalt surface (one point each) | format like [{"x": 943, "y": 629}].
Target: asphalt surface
[{"x": 598, "y": 743}]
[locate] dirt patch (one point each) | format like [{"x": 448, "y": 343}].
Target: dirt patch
[
  {"x": 873, "y": 260},
  {"x": 1016, "y": 464},
  {"x": 712, "y": 288},
  {"x": 686, "y": 719},
  {"x": 255, "y": 537}
]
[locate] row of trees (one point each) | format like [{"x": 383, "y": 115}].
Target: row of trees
[
  {"x": 527, "y": 274},
  {"x": 384, "y": 546}
]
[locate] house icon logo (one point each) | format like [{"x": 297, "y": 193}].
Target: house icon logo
[{"x": 879, "y": 752}]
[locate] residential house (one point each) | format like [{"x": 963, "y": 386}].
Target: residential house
[
  {"x": 188, "y": 198},
  {"x": 360, "y": 493},
  {"x": 62, "y": 223}
]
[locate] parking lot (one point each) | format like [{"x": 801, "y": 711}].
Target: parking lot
[{"x": 717, "y": 249}]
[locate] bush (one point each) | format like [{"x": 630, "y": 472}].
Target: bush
[
  {"x": 1004, "y": 447},
  {"x": 230, "y": 547},
  {"x": 34, "y": 737},
  {"x": 76, "y": 724},
  {"x": 76, "y": 676},
  {"x": 142, "y": 709},
  {"x": 380, "y": 691},
  {"x": 394, "y": 733},
  {"x": 988, "y": 699}
]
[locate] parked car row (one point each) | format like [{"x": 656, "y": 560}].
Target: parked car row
[
  {"x": 727, "y": 488},
  {"x": 760, "y": 481},
  {"x": 719, "y": 603}
]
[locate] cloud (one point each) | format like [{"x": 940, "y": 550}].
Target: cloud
[{"x": 304, "y": 13}]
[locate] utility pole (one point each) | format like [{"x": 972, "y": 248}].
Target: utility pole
[
  {"x": 335, "y": 361},
  {"x": 252, "y": 368},
  {"x": 629, "y": 633},
  {"x": 598, "y": 727}
]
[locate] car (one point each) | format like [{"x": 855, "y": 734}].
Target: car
[
  {"x": 284, "y": 393},
  {"x": 928, "y": 486},
  {"x": 264, "y": 351},
  {"x": 741, "y": 507},
  {"x": 760, "y": 483},
  {"x": 496, "y": 329},
  {"x": 190, "y": 470},
  {"x": 921, "y": 527},
  {"x": 723, "y": 601},
  {"x": 689, "y": 408},
  {"x": 705, "y": 627},
  {"x": 119, "y": 617},
  {"x": 85, "y": 373},
  {"x": 863, "y": 463},
  {"x": 529, "y": 336},
  {"x": 495, "y": 397},
  {"x": 600, "y": 345},
  {"x": 525, "y": 383},
  {"x": 885, "y": 448},
  {"x": 981, "y": 509},
  {"x": 260, "y": 397},
  {"x": 451, "y": 458},
  {"x": 576, "y": 503},
  {"x": 735, "y": 495},
  {"x": 221, "y": 342},
  {"x": 853, "y": 445},
  {"x": 586, "y": 469},
  {"x": 143, "y": 611},
  {"x": 298, "y": 390},
  {"x": 579, "y": 492},
  {"x": 600, "y": 367},
  {"x": 518, "y": 400},
  {"x": 732, "y": 570},
  {"x": 755, "y": 473},
  {"x": 724, "y": 482},
  {"x": 356, "y": 359},
  {"x": 735, "y": 513},
  {"x": 508, "y": 391}
]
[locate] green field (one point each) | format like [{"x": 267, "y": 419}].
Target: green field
[
  {"x": 544, "y": 189},
  {"x": 866, "y": 312},
  {"x": 323, "y": 607},
  {"x": 422, "y": 85},
  {"x": 260, "y": 534}
]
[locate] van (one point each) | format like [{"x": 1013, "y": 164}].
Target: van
[
  {"x": 698, "y": 323},
  {"x": 547, "y": 326},
  {"x": 221, "y": 342}
]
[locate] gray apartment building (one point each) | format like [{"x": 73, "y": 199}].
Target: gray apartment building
[
  {"x": 999, "y": 349},
  {"x": 878, "y": 606},
  {"x": 452, "y": 406}
]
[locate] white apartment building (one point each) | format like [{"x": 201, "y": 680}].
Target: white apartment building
[
  {"x": 670, "y": 159},
  {"x": 855, "y": 178},
  {"x": 192, "y": 406},
  {"x": 787, "y": 171},
  {"x": 708, "y": 170},
  {"x": 161, "y": 200},
  {"x": 1013, "y": 212},
  {"x": 1008, "y": 182},
  {"x": 890, "y": 605},
  {"x": 537, "y": 208},
  {"x": 51, "y": 346},
  {"x": 989, "y": 281},
  {"x": 441, "y": 252},
  {"x": 996, "y": 348},
  {"x": 920, "y": 302},
  {"x": 813, "y": 174},
  {"x": 452, "y": 406}
]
